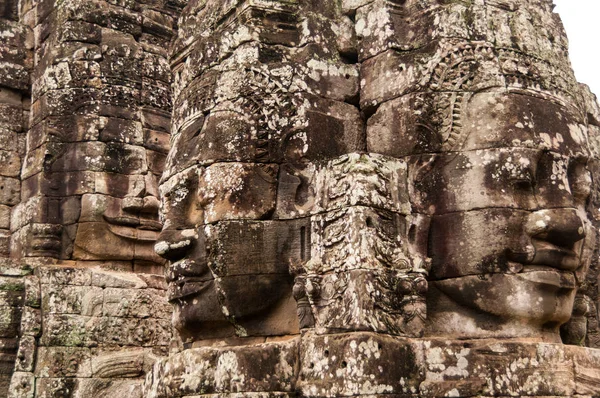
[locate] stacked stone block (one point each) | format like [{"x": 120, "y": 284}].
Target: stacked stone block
[
  {"x": 345, "y": 181},
  {"x": 12, "y": 300},
  {"x": 89, "y": 333},
  {"x": 584, "y": 326}
]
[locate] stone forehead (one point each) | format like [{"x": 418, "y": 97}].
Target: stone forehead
[
  {"x": 513, "y": 119},
  {"x": 422, "y": 123}
]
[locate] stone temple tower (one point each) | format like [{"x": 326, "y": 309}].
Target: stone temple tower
[{"x": 296, "y": 198}]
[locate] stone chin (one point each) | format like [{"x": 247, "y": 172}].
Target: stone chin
[
  {"x": 199, "y": 313},
  {"x": 531, "y": 304},
  {"x": 234, "y": 306}
]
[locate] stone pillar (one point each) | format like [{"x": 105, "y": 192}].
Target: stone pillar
[
  {"x": 484, "y": 101},
  {"x": 95, "y": 315},
  {"x": 263, "y": 96},
  {"x": 16, "y": 56},
  {"x": 98, "y": 135},
  {"x": 16, "y": 40}
]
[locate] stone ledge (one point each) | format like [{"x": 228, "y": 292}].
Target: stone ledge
[{"x": 375, "y": 365}]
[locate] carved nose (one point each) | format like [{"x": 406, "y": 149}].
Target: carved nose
[
  {"x": 175, "y": 244},
  {"x": 561, "y": 227},
  {"x": 144, "y": 198},
  {"x": 151, "y": 205},
  {"x": 147, "y": 204}
]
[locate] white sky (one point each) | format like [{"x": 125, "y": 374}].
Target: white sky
[{"x": 582, "y": 23}]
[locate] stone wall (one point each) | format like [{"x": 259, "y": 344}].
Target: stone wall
[
  {"x": 586, "y": 315},
  {"x": 375, "y": 365},
  {"x": 13, "y": 283},
  {"x": 89, "y": 333}
]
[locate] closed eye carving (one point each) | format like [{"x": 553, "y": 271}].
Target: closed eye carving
[{"x": 522, "y": 178}]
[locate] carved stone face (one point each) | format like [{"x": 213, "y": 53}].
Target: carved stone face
[
  {"x": 121, "y": 213},
  {"x": 229, "y": 271},
  {"x": 510, "y": 239},
  {"x": 129, "y": 225}
]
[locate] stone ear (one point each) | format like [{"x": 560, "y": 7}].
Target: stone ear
[
  {"x": 419, "y": 168},
  {"x": 422, "y": 167},
  {"x": 418, "y": 242}
]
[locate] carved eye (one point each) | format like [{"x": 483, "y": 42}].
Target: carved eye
[
  {"x": 522, "y": 178},
  {"x": 580, "y": 179},
  {"x": 519, "y": 170}
]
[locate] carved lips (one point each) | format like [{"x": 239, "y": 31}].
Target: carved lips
[
  {"x": 183, "y": 282},
  {"x": 561, "y": 258},
  {"x": 551, "y": 264},
  {"x": 127, "y": 226},
  {"x": 548, "y": 276},
  {"x": 186, "y": 287}
]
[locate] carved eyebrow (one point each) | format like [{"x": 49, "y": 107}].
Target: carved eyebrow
[
  {"x": 579, "y": 160},
  {"x": 177, "y": 180}
]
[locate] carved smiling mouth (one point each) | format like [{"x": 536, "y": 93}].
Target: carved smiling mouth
[
  {"x": 550, "y": 276},
  {"x": 184, "y": 283},
  {"x": 133, "y": 228},
  {"x": 549, "y": 265},
  {"x": 187, "y": 287},
  {"x": 556, "y": 257}
]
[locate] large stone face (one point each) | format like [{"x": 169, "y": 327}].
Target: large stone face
[
  {"x": 98, "y": 131},
  {"x": 346, "y": 198}
]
